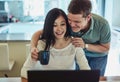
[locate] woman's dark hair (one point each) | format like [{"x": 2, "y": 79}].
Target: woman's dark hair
[
  {"x": 48, "y": 34},
  {"x": 80, "y": 7}
]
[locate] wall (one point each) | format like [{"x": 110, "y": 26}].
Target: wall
[
  {"x": 109, "y": 11},
  {"x": 17, "y": 52},
  {"x": 112, "y": 13},
  {"x": 116, "y": 13}
]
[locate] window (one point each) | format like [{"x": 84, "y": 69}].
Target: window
[
  {"x": 39, "y": 8},
  {"x": 33, "y": 11}
]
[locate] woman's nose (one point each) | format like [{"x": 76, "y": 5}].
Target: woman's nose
[{"x": 58, "y": 27}]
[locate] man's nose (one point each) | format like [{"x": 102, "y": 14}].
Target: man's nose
[{"x": 72, "y": 24}]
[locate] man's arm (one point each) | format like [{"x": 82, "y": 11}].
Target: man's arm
[
  {"x": 34, "y": 42},
  {"x": 35, "y": 38},
  {"x": 100, "y": 48}
]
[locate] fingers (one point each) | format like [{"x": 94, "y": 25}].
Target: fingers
[
  {"x": 35, "y": 58},
  {"x": 78, "y": 42},
  {"x": 34, "y": 53}
]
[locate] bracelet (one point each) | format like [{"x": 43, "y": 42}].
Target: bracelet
[{"x": 86, "y": 46}]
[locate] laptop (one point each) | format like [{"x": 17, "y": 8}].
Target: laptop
[
  {"x": 5, "y": 62},
  {"x": 63, "y": 76}
]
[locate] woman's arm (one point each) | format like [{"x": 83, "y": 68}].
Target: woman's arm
[
  {"x": 29, "y": 64},
  {"x": 81, "y": 59},
  {"x": 24, "y": 79}
]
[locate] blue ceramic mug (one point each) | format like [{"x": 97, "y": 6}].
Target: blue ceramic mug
[{"x": 43, "y": 57}]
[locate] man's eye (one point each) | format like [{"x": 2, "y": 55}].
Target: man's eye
[
  {"x": 69, "y": 19},
  {"x": 54, "y": 25},
  {"x": 77, "y": 21}
]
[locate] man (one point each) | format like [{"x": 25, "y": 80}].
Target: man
[{"x": 92, "y": 34}]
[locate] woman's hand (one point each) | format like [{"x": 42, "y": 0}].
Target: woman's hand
[{"x": 34, "y": 53}]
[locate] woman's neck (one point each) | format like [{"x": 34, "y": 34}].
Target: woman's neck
[{"x": 62, "y": 43}]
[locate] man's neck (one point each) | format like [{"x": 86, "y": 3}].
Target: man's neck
[{"x": 87, "y": 27}]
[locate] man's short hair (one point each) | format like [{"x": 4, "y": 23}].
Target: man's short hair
[{"x": 80, "y": 7}]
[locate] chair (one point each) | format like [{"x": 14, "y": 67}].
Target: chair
[
  {"x": 5, "y": 63},
  {"x": 27, "y": 50}
]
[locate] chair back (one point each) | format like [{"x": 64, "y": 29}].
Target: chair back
[{"x": 4, "y": 56}]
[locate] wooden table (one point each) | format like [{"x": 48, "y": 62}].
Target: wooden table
[{"x": 19, "y": 79}]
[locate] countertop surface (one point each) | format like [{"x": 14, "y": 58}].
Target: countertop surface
[
  {"x": 15, "y": 37},
  {"x": 18, "y": 31}
]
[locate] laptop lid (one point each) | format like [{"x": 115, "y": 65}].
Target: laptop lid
[{"x": 63, "y": 76}]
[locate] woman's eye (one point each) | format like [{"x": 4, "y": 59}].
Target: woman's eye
[{"x": 62, "y": 24}]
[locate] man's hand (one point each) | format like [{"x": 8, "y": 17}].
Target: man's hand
[
  {"x": 34, "y": 53},
  {"x": 78, "y": 42}
]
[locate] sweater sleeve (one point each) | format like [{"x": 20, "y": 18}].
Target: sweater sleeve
[
  {"x": 81, "y": 59},
  {"x": 28, "y": 65}
]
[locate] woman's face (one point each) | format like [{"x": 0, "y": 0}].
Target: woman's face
[{"x": 59, "y": 27}]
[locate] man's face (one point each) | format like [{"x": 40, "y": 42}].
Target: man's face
[{"x": 78, "y": 22}]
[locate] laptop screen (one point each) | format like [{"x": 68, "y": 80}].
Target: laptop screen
[{"x": 63, "y": 76}]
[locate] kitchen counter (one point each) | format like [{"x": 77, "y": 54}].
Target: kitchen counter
[
  {"x": 15, "y": 37},
  {"x": 18, "y": 31}
]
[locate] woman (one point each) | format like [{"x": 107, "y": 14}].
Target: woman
[{"x": 56, "y": 38}]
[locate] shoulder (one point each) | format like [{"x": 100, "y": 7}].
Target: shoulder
[
  {"x": 69, "y": 40},
  {"x": 99, "y": 22},
  {"x": 79, "y": 50},
  {"x": 99, "y": 19},
  {"x": 41, "y": 44}
]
